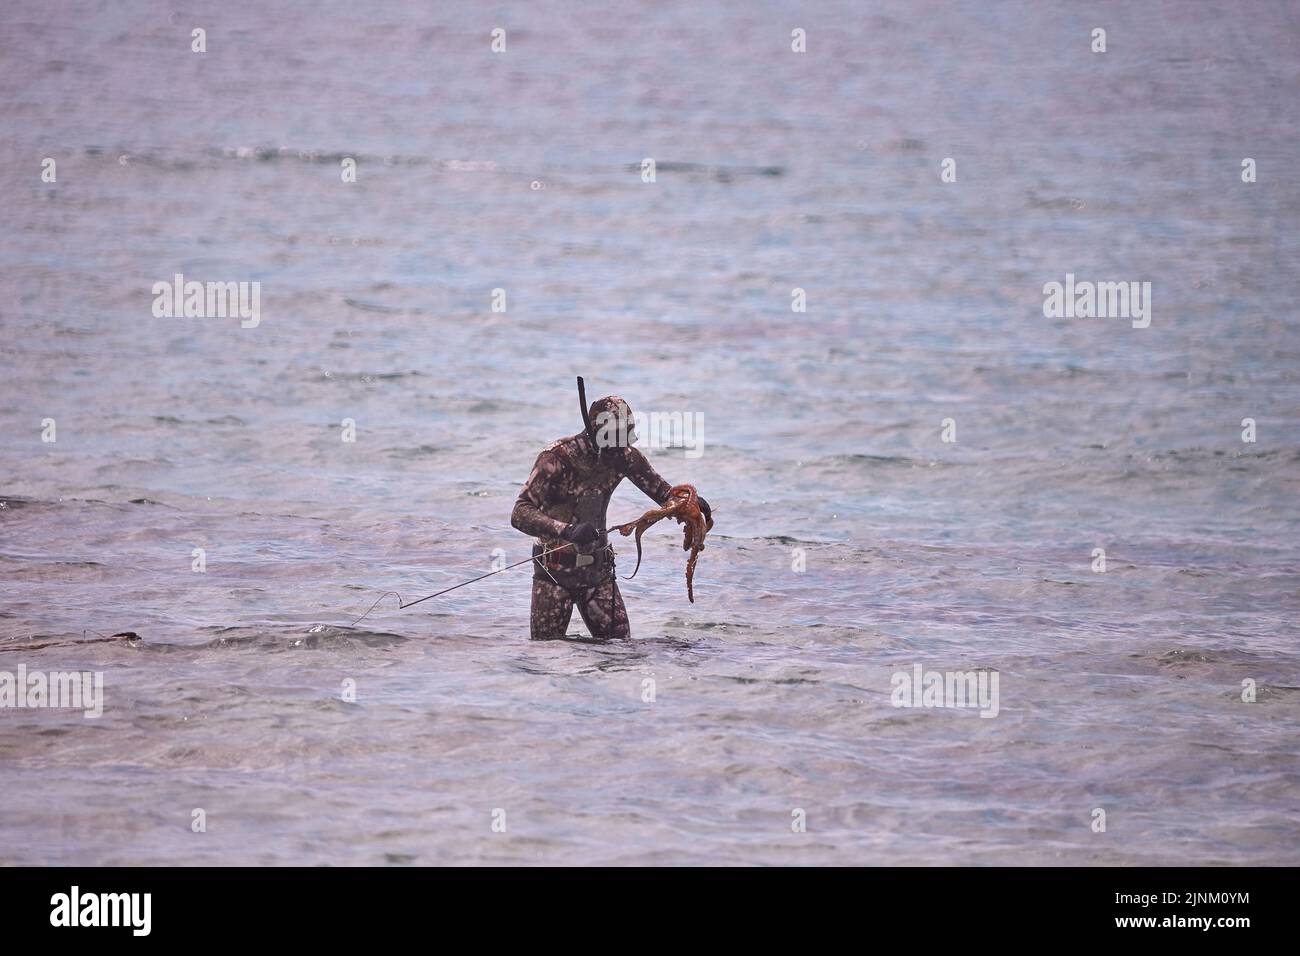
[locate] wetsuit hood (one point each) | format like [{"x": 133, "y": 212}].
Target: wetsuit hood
[
  {"x": 608, "y": 422},
  {"x": 613, "y": 423}
]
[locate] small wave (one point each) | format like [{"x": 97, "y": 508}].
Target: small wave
[
  {"x": 38, "y": 642},
  {"x": 717, "y": 173},
  {"x": 1183, "y": 658},
  {"x": 277, "y": 640},
  {"x": 781, "y": 539},
  {"x": 367, "y": 378},
  {"x": 371, "y": 306},
  {"x": 858, "y": 458},
  {"x": 173, "y": 420},
  {"x": 413, "y": 453},
  {"x": 1035, "y": 201},
  {"x": 709, "y": 625},
  {"x": 18, "y": 503}
]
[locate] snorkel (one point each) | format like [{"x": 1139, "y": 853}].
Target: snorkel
[{"x": 586, "y": 417}]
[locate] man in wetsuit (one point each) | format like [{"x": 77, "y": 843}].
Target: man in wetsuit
[{"x": 563, "y": 505}]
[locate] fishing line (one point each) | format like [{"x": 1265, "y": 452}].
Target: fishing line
[
  {"x": 405, "y": 604},
  {"x": 402, "y": 605}
]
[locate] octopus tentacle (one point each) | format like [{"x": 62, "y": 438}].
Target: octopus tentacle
[
  {"x": 639, "y": 531},
  {"x": 683, "y": 505}
]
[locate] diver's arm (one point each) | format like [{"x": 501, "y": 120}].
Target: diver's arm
[
  {"x": 528, "y": 515},
  {"x": 645, "y": 477},
  {"x": 649, "y": 481}
]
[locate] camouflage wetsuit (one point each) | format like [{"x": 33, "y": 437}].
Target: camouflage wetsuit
[{"x": 571, "y": 483}]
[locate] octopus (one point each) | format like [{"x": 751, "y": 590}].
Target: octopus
[{"x": 682, "y": 504}]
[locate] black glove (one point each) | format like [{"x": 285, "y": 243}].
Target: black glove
[
  {"x": 704, "y": 506},
  {"x": 580, "y": 532}
]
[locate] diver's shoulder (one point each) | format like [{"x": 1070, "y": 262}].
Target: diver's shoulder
[
  {"x": 565, "y": 448},
  {"x": 633, "y": 458}
]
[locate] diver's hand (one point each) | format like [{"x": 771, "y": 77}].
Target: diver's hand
[
  {"x": 580, "y": 532},
  {"x": 704, "y": 506}
]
